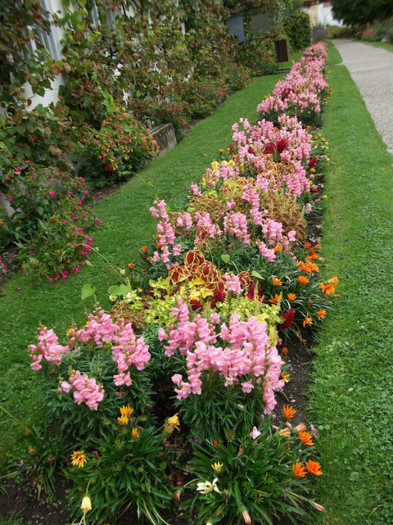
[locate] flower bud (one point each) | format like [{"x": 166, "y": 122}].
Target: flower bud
[
  {"x": 86, "y": 504},
  {"x": 246, "y": 516}
]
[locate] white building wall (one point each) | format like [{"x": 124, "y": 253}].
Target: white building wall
[{"x": 325, "y": 15}]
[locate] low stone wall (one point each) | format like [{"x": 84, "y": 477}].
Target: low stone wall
[{"x": 165, "y": 137}]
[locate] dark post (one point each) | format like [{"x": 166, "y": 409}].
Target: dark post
[{"x": 281, "y": 50}]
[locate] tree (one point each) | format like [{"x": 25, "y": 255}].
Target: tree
[{"x": 361, "y": 12}]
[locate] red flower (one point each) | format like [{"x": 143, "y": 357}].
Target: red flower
[
  {"x": 269, "y": 148},
  {"x": 288, "y": 316},
  {"x": 312, "y": 162},
  {"x": 281, "y": 145},
  {"x": 107, "y": 168},
  {"x": 196, "y": 305}
]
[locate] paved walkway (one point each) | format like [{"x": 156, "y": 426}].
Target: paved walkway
[{"x": 372, "y": 70}]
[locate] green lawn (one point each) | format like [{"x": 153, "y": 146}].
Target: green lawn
[{"x": 352, "y": 390}]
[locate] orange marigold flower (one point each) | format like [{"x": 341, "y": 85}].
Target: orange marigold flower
[
  {"x": 291, "y": 296},
  {"x": 333, "y": 280},
  {"x": 277, "y": 248},
  {"x": 288, "y": 412},
  {"x": 312, "y": 257},
  {"x": 317, "y": 247},
  {"x": 321, "y": 314},
  {"x": 284, "y": 350},
  {"x": 275, "y": 299},
  {"x": 276, "y": 282},
  {"x": 159, "y": 245},
  {"x": 306, "y": 438},
  {"x": 327, "y": 288},
  {"x": 314, "y": 467},
  {"x": 131, "y": 266},
  {"x": 308, "y": 268},
  {"x": 298, "y": 470},
  {"x": 302, "y": 280},
  {"x": 144, "y": 249},
  {"x": 307, "y": 321},
  {"x": 307, "y": 245}
]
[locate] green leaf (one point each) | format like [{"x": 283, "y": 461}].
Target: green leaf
[
  {"x": 256, "y": 274},
  {"x": 122, "y": 289},
  {"x": 226, "y": 258},
  {"x": 87, "y": 291}
]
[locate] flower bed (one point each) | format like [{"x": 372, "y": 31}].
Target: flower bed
[{"x": 206, "y": 314}]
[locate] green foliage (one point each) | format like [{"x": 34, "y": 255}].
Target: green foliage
[
  {"x": 154, "y": 111},
  {"x": 201, "y": 96},
  {"x": 40, "y": 457},
  {"x": 258, "y": 55},
  {"x": 361, "y": 12},
  {"x": 340, "y": 32},
  {"x": 253, "y": 476},
  {"x": 124, "y": 467},
  {"x": 19, "y": 21},
  {"x": 121, "y": 147},
  {"x": 35, "y": 193},
  {"x": 298, "y": 29}
]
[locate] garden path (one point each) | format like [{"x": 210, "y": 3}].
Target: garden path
[{"x": 372, "y": 70}]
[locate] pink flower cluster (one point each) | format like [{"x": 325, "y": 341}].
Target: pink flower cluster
[
  {"x": 100, "y": 329},
  {"x": 299, "y": 93},
  {"x": 239, "y": 352},
  {"x": 47, "y": 348},
  {"x": 85, "y": 390}
]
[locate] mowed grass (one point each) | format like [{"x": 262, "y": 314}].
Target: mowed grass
[
  {"x": 127, "y": 226},
  {"x": 352, "y": 389}
]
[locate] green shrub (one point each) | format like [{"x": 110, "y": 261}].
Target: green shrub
[
  {"x": 298, "y": 30},
  {"x": 258, "y": 55},
  {"x": 201, "y": 96},
  {"x": 121, "y": 147},
  {"x": 340, "y": 32}
]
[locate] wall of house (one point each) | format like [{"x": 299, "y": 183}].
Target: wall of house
[{"x": 321, "y": 15}]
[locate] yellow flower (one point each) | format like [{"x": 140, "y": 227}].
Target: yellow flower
[
  {"x": 123, "y": 420},
  {"x": 135, "y": 433},
  {"x": 78, "y": 458},
  {"x": 86, "y": 504},
  {"x": 221, "y": 150},
  {"x": 171, "y": 423},
  {"x": 285, "y": 376},
  {"x": 126, "y": 411},
  {"x": 285, "y": 432},
  {"x": 217, "y": 467}
]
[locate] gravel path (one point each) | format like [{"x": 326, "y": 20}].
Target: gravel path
[{"x": 372, "y": 70}]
